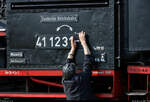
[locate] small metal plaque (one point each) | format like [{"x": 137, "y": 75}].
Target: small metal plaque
[
  {"x": 58, "y": 18},
  {"x": 16, "y": 54},
  {"x": 17, "y": 60}
]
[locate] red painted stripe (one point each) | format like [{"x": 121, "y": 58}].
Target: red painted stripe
[
  {"x": 33, "y": 95},
  {"x": 50, "y": 73},
  {"x": 138, "y": 70},
  {"x": 30, "y": 73},
  {"x": 2, "y": 34},
  {"x": 43, "y": 95},
  {"x": 46, "y": 82},
  {"x": 103, "y": 73},
  {"x": 104, "y": 95}
]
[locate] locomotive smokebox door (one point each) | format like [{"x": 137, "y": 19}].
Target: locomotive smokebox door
[{"x": 39, "y": 31}]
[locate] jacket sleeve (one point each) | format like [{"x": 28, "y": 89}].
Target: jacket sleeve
[
  {"x": 87, "y": 65},
  {"x": 68, "y": 62}
]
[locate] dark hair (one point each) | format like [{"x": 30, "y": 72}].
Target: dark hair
[{"x": 68, "y": 71}]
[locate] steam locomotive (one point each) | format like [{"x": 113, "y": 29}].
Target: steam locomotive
[{"x": 38, "y": 32}]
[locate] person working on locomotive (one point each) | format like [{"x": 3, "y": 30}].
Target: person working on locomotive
[{"x": 77, "y": 85}]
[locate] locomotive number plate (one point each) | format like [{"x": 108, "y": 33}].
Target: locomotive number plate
[{"x": 53, "y": 42}]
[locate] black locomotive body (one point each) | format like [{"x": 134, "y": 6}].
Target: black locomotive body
[
  {"x": 38, "y": 32},
  {"x": 37, "y": 38},
  {"x": 135, "y": 24}
]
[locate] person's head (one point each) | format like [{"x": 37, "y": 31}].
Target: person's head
[{"x": 69, "y": 71}]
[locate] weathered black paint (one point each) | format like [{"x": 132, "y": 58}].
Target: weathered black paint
[
  {"x": 24, "y": 25},
  {"x": 135, "y": 30},
  {"x": 139, "y": 25}
]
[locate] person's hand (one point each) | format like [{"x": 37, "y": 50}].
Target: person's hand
[
  {"x": 82, "y": 38},
  {"x": 73, "y": 43}
]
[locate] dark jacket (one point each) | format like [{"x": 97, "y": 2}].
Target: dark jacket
[{"x": 79, "y": 88}]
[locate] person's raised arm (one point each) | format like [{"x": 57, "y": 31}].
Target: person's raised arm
[
  {"x": 87, "y": 53},
  {"x": 72, "y": 51},
  {"x": 84, "y": 44},
  {"x": 69, "y": 69}
]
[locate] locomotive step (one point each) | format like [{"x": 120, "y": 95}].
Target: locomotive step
[
  {"x": 2, "y": 49},
  {"x": 137, "y": 93}
]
